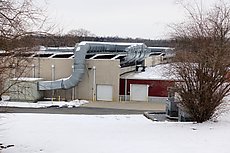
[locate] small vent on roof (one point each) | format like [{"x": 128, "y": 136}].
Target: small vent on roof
[
  {"x": 120, "y": 57},
  {"x": 155, "y": 53},
  {"x": 62, "y": 56},
  {"x": 89, "y": 56},
  {"x": 104, "y": 56},
  {"x": 43, "y": 55}
]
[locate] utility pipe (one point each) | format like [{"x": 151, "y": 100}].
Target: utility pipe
[
  {"x": 94, "y": 83},
  {"x": 73, "y": 89},
  {"x": 125, "y": 89},
  {"x": 52, "y": 77},
  {"x": 33, "y": 70}
]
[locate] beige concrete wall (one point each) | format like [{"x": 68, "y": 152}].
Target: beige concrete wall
[
  {"x": 107, "y": 72},
  {"x": 43, "y": 67}
]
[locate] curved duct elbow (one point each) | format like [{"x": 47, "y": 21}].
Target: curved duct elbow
[
  {"x": 74, "y": 79},
  {"x": 136, "y": 53}
]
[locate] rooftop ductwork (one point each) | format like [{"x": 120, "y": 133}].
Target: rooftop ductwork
[{"x": 134, "y": 51}]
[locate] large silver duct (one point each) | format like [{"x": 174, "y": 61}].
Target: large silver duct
[
  {"x": 134, "y": 51},
  {"x": 79, "y": 67}
]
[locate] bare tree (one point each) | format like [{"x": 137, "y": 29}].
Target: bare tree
[
  {"x": 19, "y": 19},
  {"x": 202, "y": 60}
]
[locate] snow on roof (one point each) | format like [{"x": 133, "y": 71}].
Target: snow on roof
[
  {"x": 158, "y": 72},
  {"x": 160, "y": 47},
  {"x": 109, "y": 43},
  {"x": 60, "y": 48}
]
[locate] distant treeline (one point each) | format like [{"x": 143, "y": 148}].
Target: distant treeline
[{"x": 69, "y": 40}]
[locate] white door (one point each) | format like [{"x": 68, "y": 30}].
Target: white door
[
  {"x": 104, "y": 92},
  {"x": 139, "y": 92}
]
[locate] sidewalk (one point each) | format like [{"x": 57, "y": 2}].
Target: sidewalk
[{"x": 147, "y": 106}]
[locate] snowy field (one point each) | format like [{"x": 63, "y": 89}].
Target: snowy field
[{"x": 52, "y": 133}]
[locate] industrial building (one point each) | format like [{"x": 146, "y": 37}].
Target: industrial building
[{"x": 92, "y": 71}]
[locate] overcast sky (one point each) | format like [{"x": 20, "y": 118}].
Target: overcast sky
[{"x": 124, "y": 18}]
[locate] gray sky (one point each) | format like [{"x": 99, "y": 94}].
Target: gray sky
[{"x": 124, "y": 18}]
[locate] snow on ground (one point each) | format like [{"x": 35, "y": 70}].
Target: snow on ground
[
  {"x": 52, "y": 133},
  {"x": 43, "y": 104}
]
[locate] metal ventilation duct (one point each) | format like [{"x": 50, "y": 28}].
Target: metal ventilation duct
[{"x": 134, "y": 51}]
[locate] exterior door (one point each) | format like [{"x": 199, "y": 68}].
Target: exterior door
[
  {"x": 105, "y": 92},
  {"x": 139, "y": 92}
]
